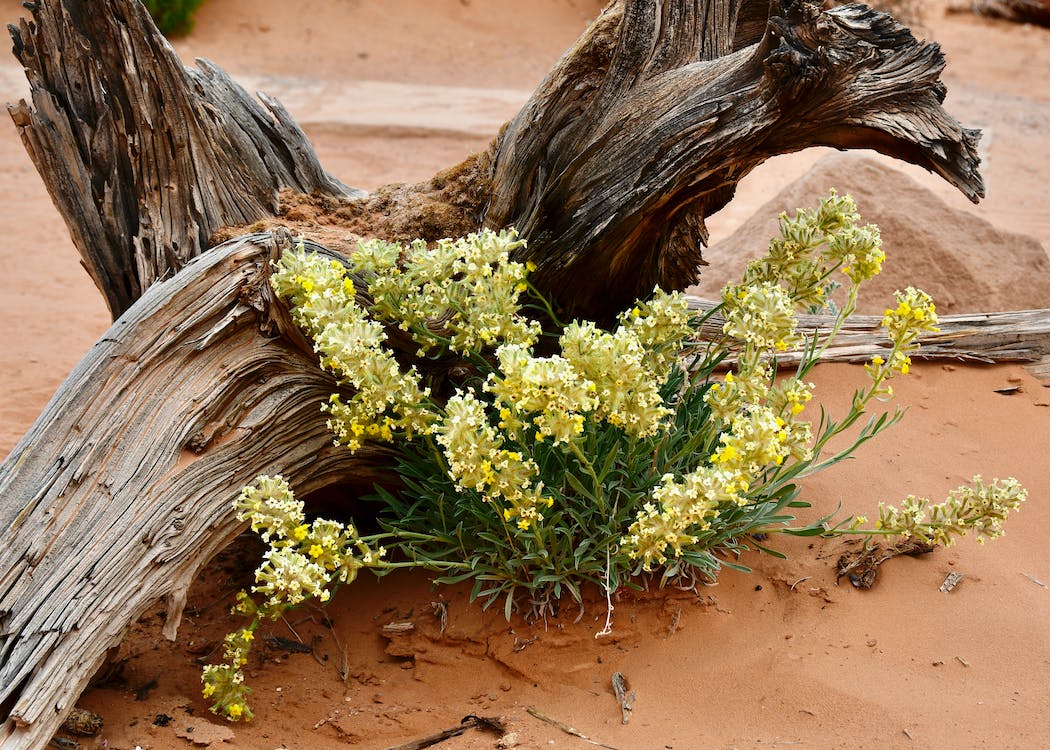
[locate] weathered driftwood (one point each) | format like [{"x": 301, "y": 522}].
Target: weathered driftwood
[
  {"x": 1021, "y": 336},
  {"x": 144, "y": 157},
  {"x": 121, "y": 490},
  {"x": 647, "y": 125},
  {"x": 1022, "y": 11}
]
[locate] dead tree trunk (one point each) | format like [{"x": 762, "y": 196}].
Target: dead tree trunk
[{"x": 122, "y": 488}]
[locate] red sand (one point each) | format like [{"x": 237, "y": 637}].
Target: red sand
[{"x": 780, "y": 657}]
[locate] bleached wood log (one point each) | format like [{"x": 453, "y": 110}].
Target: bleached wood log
[{"x": 1021, "y": 336}]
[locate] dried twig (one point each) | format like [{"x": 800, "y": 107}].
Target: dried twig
[
  {"x": 563, "y": 727},
  {"x": 1035, "y": 580},
  {"x": 493, "y": 724},
  {"x": 441, "y": 613},
  {"x": 676, "y": 620},
  {"x": 862, "y": 565}
]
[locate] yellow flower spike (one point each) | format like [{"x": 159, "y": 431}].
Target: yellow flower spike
[
  {"x": 234, "y": 711},
  {"x": 507, "y": 514},
  {"x": 209, "y": 690},
  {"x": 300, "y": 532},
  {"x": 797, "y": 408},
  {"x": 316, "y": 550},
  {"x": 530, "y": 266}
]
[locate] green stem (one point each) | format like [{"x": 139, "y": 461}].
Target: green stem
[{"x": 599, "y": 489}]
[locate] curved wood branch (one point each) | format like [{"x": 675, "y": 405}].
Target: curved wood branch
[
  {"x": 145, "y": 158},
  {"x": 123, "y": 488},
  {"x": 612, "y": 184}
]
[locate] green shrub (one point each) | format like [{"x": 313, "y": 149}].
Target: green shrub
[
  {"x": 173, "y": 16},
  {"x": 626, "y": 454}
]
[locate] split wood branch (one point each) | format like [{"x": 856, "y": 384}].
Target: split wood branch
[{"x": 145, "y": 158}]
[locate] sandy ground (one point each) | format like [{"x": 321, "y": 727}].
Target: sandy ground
[{"x": 785, "y": 656}]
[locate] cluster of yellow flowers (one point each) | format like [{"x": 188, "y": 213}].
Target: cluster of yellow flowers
[
  {"x": 757, "y": 419},
  {"x": 464, "y": 294},
  {"x": 477, "y": 460},
  {"x": 600, "y": 376},
  {"x": 761, "y": 315},
  {"x": 914, "y": 315},
  {"x": 975, "y": 507},
  {"x": 224, "y": 683},
  {"x": 350, "y": 344},
  {"x": 611, "y": 376},
  {"x": 302, "y": 561},
  {"x": 832, "y": 229}
]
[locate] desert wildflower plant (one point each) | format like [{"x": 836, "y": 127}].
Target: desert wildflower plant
[{"x": 566, "y": 455}]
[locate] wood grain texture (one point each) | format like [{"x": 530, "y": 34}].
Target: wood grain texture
[
  {"x": 123, "y": 488},
  {"x": 143, "y": 157},
  {"x": 1021, "y": 336},
  {"x": 646, "y": 126}
]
